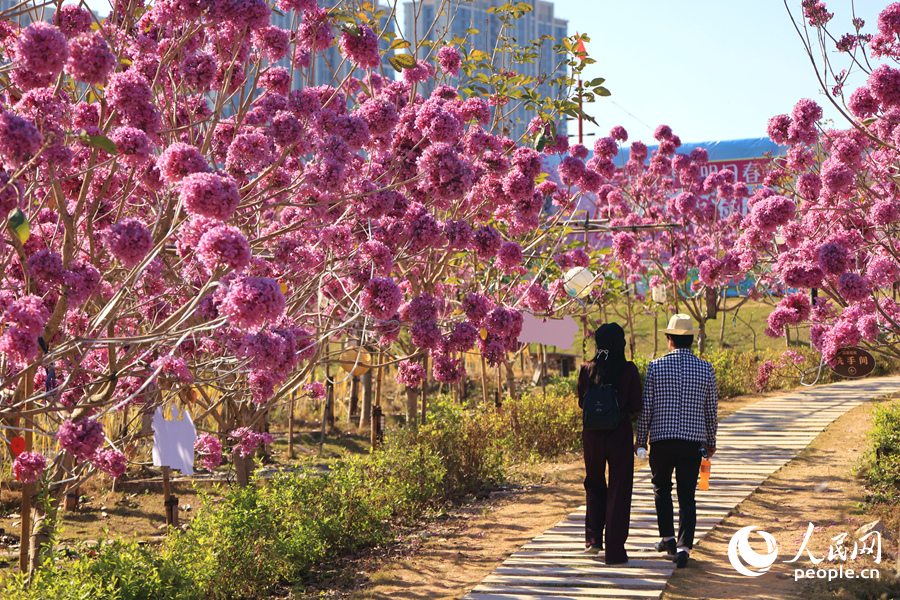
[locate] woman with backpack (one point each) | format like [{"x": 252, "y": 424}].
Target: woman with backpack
[{"x": 609, "y": 391}]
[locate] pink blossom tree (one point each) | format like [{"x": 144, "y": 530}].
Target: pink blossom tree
[
  {"x": 184, "y": 227},
  {"x": 825, "y": 225}
]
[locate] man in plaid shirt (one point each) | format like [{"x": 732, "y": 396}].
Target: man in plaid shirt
[{"x": 678, "y": 419}]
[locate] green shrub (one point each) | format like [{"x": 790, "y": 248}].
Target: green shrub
[
  {"x": 107, "y": 571},
  {"x": 735, "y": 372},
  {"x": 536, "y": 426},
  {"x": 406, "y": 476},
  {"x": 880, "y": 466},
  {"x": 276, "y": 531},
  {"x": 465, "y": 442}
]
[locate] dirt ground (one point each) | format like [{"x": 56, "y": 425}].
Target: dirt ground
[{"x": 818, "y": 487}]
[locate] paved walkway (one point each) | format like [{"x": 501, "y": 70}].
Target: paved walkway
[{"x": 753, "y": 443}]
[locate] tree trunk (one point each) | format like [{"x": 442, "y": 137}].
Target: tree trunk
[
  {"x": 722, "y": 324},
  {"x": 41, "y": 528},
  {"x": 353, "y": 406},
  {"x": 243, "y": 468},
  {"x": 630, "y": 325},
  {"x": 543, "y": 356},
  {"x": 511, "y": 377},
  {"x": 655, "y": 332},
  {"x": 366, "y": 413},
  {"x": 243, "y": 465},
  {"x": 701, "y": 345},
  {"x": 412, "y": 403}
]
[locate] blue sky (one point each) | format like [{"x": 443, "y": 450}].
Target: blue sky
[{"x": 710, "y": 69}]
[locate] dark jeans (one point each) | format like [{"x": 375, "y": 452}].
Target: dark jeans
[
  {"x": 684, "y": 458},
  {"x": 608, "y": 506}
]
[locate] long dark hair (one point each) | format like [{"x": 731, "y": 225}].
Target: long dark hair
[{"x": 609, "y": 362}]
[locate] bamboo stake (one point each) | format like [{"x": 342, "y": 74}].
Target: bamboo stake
[
  {"x": 484, "y": 391},
  {"x": 425, "y": 390},
  {"x": 380, "y": 378},
  {"x": 169, "y": 501},
  {"x": 25, "y": 539},
  {"x": 543, "y": 362},
  {"x": 291, "y": 426}
]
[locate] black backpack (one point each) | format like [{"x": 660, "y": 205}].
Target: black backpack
[{"x": 601, "y": 408}]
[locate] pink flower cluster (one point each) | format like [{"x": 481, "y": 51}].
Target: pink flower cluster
[
  {"x": 449, "y": 60},
  {"x": 26, "y": 318},
  {"x": 410, "y": 373},
  {"x": 210, "y": 449},
  {"x": 361, "y": 47},
  {"x": 249, "y": 440},
  {"x": 316, "y": 390},
  {"x": 129, "y": 241},
  {"x": 209, "y": 195},
  {"x": 29, "y": 466},
  {"x": 381, "y": 298},
  {"x": 111, "y": 462},
  {"x": 224, "y": 245},
  {"x": 252, "y": 302},
  {"x": 82, "y": 438}
]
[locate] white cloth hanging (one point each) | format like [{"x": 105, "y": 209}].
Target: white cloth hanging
[{"x": 173, "y": 442}]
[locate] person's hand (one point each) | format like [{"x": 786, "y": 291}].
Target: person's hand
[{"x": 710, "y": 450}]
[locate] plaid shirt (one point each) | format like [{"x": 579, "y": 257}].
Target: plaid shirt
[{"x": 680, "y": 400}]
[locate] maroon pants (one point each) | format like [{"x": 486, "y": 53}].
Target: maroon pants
[{"x": 609, "y": 505}]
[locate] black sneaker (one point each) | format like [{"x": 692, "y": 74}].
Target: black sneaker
[
  {"x": 667, "y": 546},
  {"x": 681, "y": 559}
]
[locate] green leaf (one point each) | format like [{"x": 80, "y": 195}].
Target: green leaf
[
  {"x": 472, "y": 31},
  {"x": 405, "y": 61},
  {"x": 18, "y": 224},
  {"x": 400, "y": 44},
  {"x": 602, "y": 91},
  {"x": 352, "y": 28},
  {"x": 541, "y": 143},
  {"x": 595, "y": 82},
  {"x": 99, "y": 141}
]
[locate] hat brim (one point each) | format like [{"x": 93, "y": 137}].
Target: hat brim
[{"x": 680, "y": 331}]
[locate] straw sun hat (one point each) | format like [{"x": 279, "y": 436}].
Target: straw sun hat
[{"x": 680, "y": 325}]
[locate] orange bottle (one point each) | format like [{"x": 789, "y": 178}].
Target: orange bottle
[{"x": 704, "y": 474}]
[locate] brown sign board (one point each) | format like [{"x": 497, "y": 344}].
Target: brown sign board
[{"x": 853, "y": 362}]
